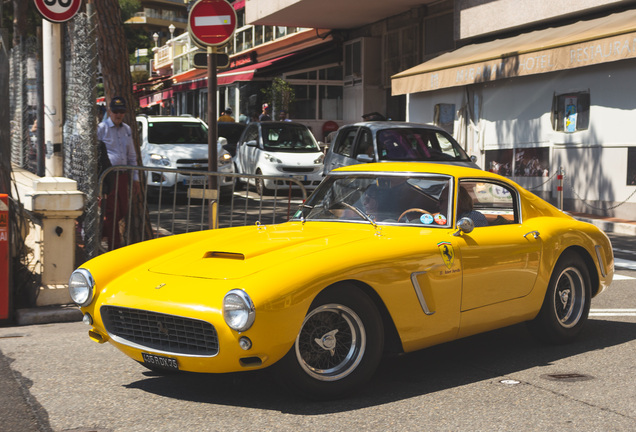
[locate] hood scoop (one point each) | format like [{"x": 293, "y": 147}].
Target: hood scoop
[{"x": 224, "y": 255}]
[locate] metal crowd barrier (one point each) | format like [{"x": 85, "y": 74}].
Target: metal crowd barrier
[{"x": 162, "y": 211}]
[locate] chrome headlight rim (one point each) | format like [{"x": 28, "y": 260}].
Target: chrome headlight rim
[
  {"x": 241, "y": 304},
  {"x": 88, "y": 288}
]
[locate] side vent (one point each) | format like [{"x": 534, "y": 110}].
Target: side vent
[{"x": 224, "y": 255}]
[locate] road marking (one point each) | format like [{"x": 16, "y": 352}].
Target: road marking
[
  {"x": 612, "y": 312},
  {"x": 618, "y": 277},
  {"x": 624, "y": 264}
]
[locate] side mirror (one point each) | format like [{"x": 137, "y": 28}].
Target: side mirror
[
  {"x": 473, "y": 158},
  {"x": 252, "y": 143},
  {"x": 364, "y": 158},
  {"x": 464, "y": 225}
]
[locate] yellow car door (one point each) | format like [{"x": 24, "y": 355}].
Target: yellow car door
[{"x": 498, "y": 264}]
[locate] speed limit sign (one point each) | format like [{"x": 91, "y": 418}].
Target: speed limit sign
[{"x": 58, "y": 10}]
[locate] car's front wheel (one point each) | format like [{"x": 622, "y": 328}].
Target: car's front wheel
[
  {"x": 338, "y": 347},
  {"x": 567, "y": 301}
]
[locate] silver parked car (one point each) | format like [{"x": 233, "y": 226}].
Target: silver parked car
[{"x": 382, "y": 141}]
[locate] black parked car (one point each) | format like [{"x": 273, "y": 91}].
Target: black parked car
[{"x": 231, "y": 131}]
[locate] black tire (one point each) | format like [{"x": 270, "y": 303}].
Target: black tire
[
  {"x": 338, "y": 347},
  {"x": 567, "y": 302},
  {"x": 260, "y": 184}
]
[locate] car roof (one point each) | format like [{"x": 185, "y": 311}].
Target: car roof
[
  {"x": 419, "y": 167},
  {"x": 162, "y": 118},
  {"x": 377, "y": 125}
]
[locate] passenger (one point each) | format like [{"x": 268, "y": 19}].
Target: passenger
[{"x": 465, "y": 209}]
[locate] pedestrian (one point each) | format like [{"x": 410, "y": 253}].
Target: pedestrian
[
  {"x": 282, "y": 116},
  {"x": 117, "y": 137},
  {"x": 265, "y": 114},
  {"x": 226, "y": 116},
  {"x": 373, "y": 116}
]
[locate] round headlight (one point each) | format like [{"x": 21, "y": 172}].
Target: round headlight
[
  {"x": 80, "y": 287},
  {"x": 238, "y": 310}
]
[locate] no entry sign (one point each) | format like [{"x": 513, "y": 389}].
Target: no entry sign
[
  {"x": 212, "y": 22},
  {"x": 58, "y": 10}
]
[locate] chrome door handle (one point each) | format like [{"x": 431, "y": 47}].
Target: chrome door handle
[{"x": 535, "y": 234}]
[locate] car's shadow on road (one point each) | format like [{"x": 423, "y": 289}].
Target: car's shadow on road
[{"x": 492, "y": 355}]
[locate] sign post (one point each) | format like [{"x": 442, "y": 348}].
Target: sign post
[
  {"x": 54, "y": 12},
  {"x": 212, "y": 23}
]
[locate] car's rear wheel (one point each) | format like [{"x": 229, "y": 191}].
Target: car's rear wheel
[
  {"x": 338, "y": 347},
  {"x": 567, "y": 301}
]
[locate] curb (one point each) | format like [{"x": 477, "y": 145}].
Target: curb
[
  {"x": 47, "y": 315},
  {"x": 612, "y": 227}
]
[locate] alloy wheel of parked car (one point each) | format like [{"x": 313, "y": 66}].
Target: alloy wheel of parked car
[
  {"x": 338, "y": 347},
  {"x": 567, "y": 301}
]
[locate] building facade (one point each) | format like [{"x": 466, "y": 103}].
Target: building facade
[{"x": 531, "y": 89}]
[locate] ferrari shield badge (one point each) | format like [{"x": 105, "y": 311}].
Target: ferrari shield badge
[{"x": 448, "y": 254}]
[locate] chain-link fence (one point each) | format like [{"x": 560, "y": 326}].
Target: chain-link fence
[{"x": 80, "y": 125}]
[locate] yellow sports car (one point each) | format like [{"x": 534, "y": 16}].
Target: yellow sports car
[{"x": 389, "y": 257}]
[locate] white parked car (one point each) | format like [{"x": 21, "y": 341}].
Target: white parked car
[
  {"x": 283, "y": 149},
  {"x": 179, "y": 142}
]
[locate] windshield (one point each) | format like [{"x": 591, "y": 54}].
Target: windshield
[
  {"x": 176, "y": 132},
  {"x": 381, "y": 199},
  {"x": 288, "y": 137},
  {"x": 418, "y": 144}
]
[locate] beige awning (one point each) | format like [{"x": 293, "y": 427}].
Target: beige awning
[{"x": 584, "y": 43}]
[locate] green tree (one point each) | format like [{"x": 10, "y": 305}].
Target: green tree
[{"x": 280, "y": 95}]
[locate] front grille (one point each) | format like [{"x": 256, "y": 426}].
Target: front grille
[
  {"x": 298, "y": 170},
  {"x": 157, "y": 331},
  {"x": 193, "y": 164}
]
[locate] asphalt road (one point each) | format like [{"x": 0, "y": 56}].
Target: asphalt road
[{"x": 53, "y": 378}]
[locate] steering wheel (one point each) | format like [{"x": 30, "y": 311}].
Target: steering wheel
[{"x": 405, "y": 212}]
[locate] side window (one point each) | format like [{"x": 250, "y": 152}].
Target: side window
[
  {"x": 344, "y": 142},
  {"x": 140, "y": 129},
  {"x": 365, "y": 143},
  {"x": 487, "y": 203},
  {"x": 251, "y": 134}
]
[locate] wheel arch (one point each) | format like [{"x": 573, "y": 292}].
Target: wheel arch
[
  {"x": 392, "y": 341},
  {"x": 583, "y": 254}
]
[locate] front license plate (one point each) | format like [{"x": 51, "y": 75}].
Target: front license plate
[
  {"x": 194, "y": 181},
  {"x": 160, "y": 361},
  {"x": 300, "y": 177}
]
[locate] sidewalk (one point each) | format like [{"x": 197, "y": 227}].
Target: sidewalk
[
  {"x": 55, "y": 314},
  {"x": 608, "y": 224}
]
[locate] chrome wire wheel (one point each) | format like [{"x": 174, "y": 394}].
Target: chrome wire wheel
[
  {"x": 331, "y": 342},
  {"x": 569, "y": 297}
]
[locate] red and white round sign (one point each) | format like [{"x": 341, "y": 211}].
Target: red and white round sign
[
  {"x": 58, "y": 10},
  {"x": 212, "y": 22}
]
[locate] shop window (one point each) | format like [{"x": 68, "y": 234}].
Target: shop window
[
  {"x": 353, "y": 59},
  {"x": 445, "y": 117},
  {"x": 520, "y": 162},
  {"x": 571, "y": 112},
  {"x": 631, "y": 166},
  {"x": 330, "y": 102},
  {"x": 499, "y": 162}
]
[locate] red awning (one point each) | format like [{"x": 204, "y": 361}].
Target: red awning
[
  {"x": 198, "y": 78},
  {"x": 155, "y": 98}
]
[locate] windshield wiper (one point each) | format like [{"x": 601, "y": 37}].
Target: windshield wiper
[{"x": 361, "y": 213}]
